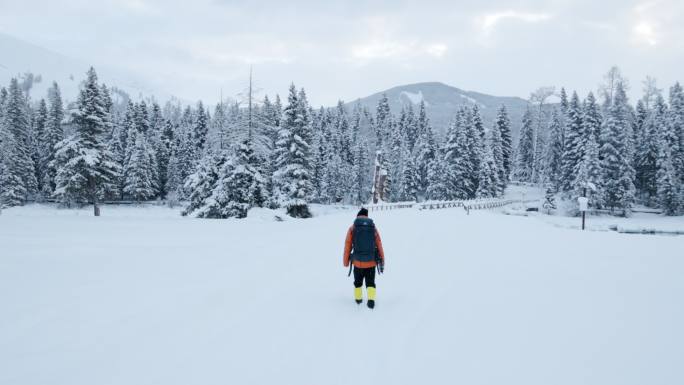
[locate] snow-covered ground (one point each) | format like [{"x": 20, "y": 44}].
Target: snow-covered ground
[{"x": 144, "y": 296}]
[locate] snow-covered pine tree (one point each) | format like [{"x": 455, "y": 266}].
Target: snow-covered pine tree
[
  {"x": 140, "y": 172},
  {"x": 409, "y": 180},
  {"x": 402, "y": 146},
  {"x": 328, "y": 162},
  {"x": 12, "y": 190},
  {"x": 589, "y": 173},
  {"x": 564, "y": 104},
  {"x": 202, "y": 183},
  {"x": 142, "y": 118},
  {"x": 52, "y": 135},
  {"x": 383, "y": 123},
  {"x": 147, "y": 126},
  {"x": 163, "y": 154},
  {"x": 668, "y": 187},
  {"x": 574, "y": 144},
  {"x": 40, "y": 147},
  {"x": 475, "y": 137},
  {"x": 495, "y": 143},
  {"x": 539, "y": 98},
  {"x": 343, "y": 137},
  {"x": 589, "y": 168},
  {"x": 525, "y": 152},
  {"x": 16, "y": 120},
  {"x": 269, "y": 121},
  {"x": 503, "y": 124},
  {"x": 126, "y": 133},
  {"x": 3, "y": 100},
  {"x": 676, "y": 120},
  {"x": 648, "y": 150},
  {"x": 183, "y": 160},
  {"x": 362, "y": 172},
  {"x": 616, "y": 154},
  {"x": 86, "y": 167},
  {"x": 154, "y": 140},
  {"x": 554, "y": 151},
  {"x": 640, "y": 118},
  {"x": 355, "y": 123},
  {"x": 437, "y": 177},
  {"x": 201, "y": 129},
  {"x": 219, "y": 135},
  {"x": 386, "y": 185},
  {"x": 293, "y": 173},
  {"x": 488, "y": 183},
  {"x": 411, "y": 127},
  {"x": 333, "y": 178},
  {"x": 240, "y": 186},
  {"x": 117, "y": 148},
  {"x": 424, "y": 150},
  {"x": 398, "y": 141},
  {"x": 319, "y": 150},
  {"x": 459, "y": 166},
  {"x": 107, "y": 102},
  {"x": 140, "y": 184}
]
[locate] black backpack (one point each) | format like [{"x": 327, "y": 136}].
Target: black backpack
[{"x": 363, "y": 245}]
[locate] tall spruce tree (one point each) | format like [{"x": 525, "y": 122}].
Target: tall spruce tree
[
  {"x": 618, "y": 173},
  {"x": 362, "y": 173},
  {"x": 424, "y": 150},
  {"x": 676, "y": 120},
  {"x": 574, "y": 144},
  {"x": 40, "y": 147},
  {"x": 525, "y": 153},
  {"x": 503, "y": 124},
  {"x": 22, "y": 167},
  {"x": 457, "y": 164},
  {"x": 668, "y": 186},
  {"x": 488, "y": 179},
  {"x": 293, "y": 173},
  {"x": 140, "y": 182},
  {"x": 475, "y": 136},
  {"x": 554, "y": 151},
  {"x": 87, "y": 168},
  {"x": 589, "y": 168},
  {"x": 12, "y": 189},
  {"x": 200, "y": 130},
  {"x": 437, "y": 177},
  {"x": 648, "y": 152},
  {"x": 52, "y": 135},
  {"x": 494, "y": 142}
]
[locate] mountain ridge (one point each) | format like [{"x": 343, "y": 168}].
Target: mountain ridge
[{"x": 442, "y": 101}]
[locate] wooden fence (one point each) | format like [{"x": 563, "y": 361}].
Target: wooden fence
[
  {"x": 390, "y": 206},
  {"x": 472, "y": 204}
]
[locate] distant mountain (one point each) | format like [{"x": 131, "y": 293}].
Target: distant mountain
[
  {"x": 442, "y": 101},
  {"x": 18, "y": 57}
]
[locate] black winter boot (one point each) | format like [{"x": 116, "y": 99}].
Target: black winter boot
[{"x": 371, "y": 304}]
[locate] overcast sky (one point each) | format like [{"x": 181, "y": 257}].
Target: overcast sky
[{"x": 349, "y": 49}]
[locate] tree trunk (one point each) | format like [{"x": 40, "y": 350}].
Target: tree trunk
[{"x": 93, "y": 190}]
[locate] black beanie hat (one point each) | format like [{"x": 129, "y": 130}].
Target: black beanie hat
[{"x": 362, "y": 213}]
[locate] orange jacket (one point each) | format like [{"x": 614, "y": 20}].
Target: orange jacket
[{"x": 348, "y": 248}]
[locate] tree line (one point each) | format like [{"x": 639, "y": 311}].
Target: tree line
[
  {"x": 246, "y": 154},
  {"x": 620, "y": 155}
]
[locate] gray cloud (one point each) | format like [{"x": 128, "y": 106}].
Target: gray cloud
[{"x": 346, "y": 49}]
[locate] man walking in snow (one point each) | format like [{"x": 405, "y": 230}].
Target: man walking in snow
[{"x": 363, "y": 248}]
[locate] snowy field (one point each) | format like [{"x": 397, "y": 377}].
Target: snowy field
[{"x": 143, "y": 296}]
